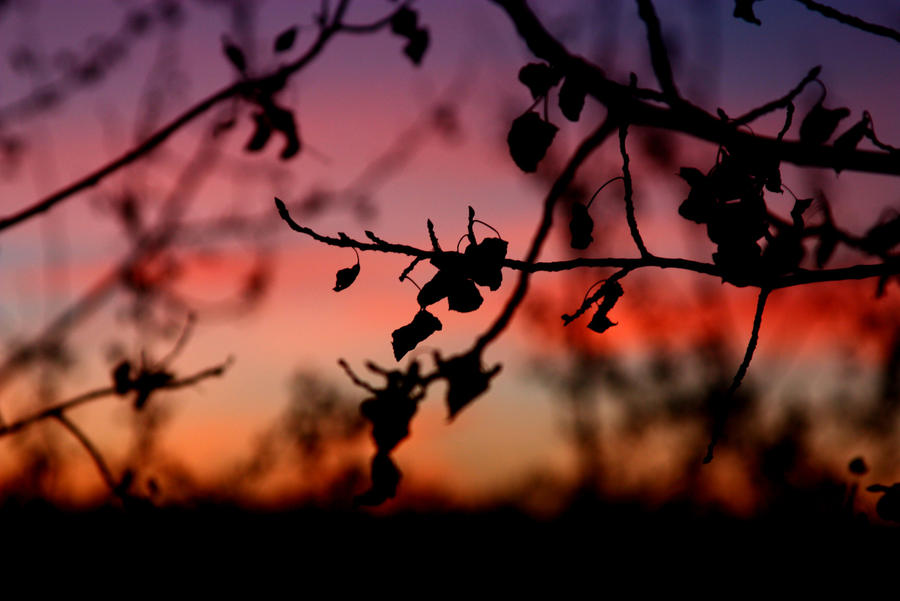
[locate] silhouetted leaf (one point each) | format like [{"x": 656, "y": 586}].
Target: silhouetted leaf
[
  {"x": 285, "y": 40},
  {"x": 235, "y": 55},
  {"x": 385, "y": 478},
  {"x": 283, "y": 121},
  {"x": 464, "y": 296},
  {"x": 743, "y": 9},
  {"x": 345, "y": 277},
  {"x": 417, "y": 45},
  {"x": 121, "y": 376},
  {"x": 820, "y": 123},
  {"x": 848, "y": 140},
  {"x": 700, "y": 204},
  {"x": 405, "y": 22},
  {"x": 581, "y": 227},
  {"x": 392, "y": 407},
  {"x": 529, "y": 138},
  {"x": 571, "y": 98},
  {"x": 484, "y": 262},
  {"x": 406, "y": 338},
  {"x": 261, "y": 133},
  {"x": 539, "y": 77},
  {"x": 466, "y": 379},
  {"x": 612, "y": 292}
]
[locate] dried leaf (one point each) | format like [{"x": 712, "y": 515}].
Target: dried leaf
[
  {"x": 743, "y": 9},
  {"x": 539, "y": 77},
  {"x": 820, "y": 123},
  {"x": 571, "y": 98},
  {"x": 261, "y": 134},
  {"x": 529, "y": 138},
  {"x": 466, "y": 379},
  {"x": 405, "y": 22},
  {"x": 406, "y": 338},
  {"x": 385, "y": 479},
  {"x": 345, "y": 277},
  {"x": 484, "y": 262},
  {"x": 417, "y": 45},
  {"x": 581, "y": 227}
]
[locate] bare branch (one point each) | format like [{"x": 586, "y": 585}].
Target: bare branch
[
  {"x": 629, "y": 194},
  {"x": 659, "y": 56},
  {"x": 721, "y": 412},
  {"x": 87, "y": 397},
  {"x": 850, "y": 20}
]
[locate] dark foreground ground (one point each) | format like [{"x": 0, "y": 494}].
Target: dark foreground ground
[{"x": 621, "y": 541}]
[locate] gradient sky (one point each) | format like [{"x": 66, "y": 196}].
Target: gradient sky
[{"x": 351, "y": 104}]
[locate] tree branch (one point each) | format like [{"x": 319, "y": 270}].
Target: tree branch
[
  {"x": 850, "y": 20},
  {"x": 659, "y": 56},
  {"x": 57, "y": 410},
  {"x": 721, "y": 413}
]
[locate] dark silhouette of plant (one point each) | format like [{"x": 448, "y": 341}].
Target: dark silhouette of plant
[{"x": 755, "y": 246}]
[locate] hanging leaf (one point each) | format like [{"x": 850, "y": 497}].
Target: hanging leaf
[
  {"x": 385, "y": 479},
  {"x": 405, "y": 22},
  {"x": 417, "y": 45},
  {"x": 121, "y": 376},
  {"x": 571, "y": 98},
  {"x": 464, "y": 296},
  {"x": 261, "y": 133},
  {"x": 392, "y": 407},
  {"x": 285, "y": 40},
  {"x": 406, "y": 338},
  {"x": 743, "y": 9},
  {"x": 529, "y": 138},
  {"x": 484, "y": 262},
  {"x": 581, "y": 227},
  {"x": 234, "y": 55},
  {"x": 820, "y": 123},
  {"x": 345, "y": 277},
  {"x": 283, "y": 121},
  {"x": 700, "y": 204},
  {"x": 466, "y": 379},
  {"x": 539, "y": 77},
  {"x": 612, "y": 292}
]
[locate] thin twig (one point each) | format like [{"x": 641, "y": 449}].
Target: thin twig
[
  {"x": 850, "y": 20},
  {"x": 240, "y": 88},
  {"x": 720, "y": 413},
  {"x": 92, "y": 450},
  {"x": 659, "y": 56},
  {"x": 629, "y": 194},
  {"x": 100, "y": 393},
  {"x": 783, "y": 102}
]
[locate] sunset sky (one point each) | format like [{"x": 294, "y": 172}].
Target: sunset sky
[{"x": 352, "y": 104}]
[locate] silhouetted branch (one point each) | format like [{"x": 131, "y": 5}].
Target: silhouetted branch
[
  {"x": 721, "y": 412},
  {"x": 629, "y": 194},
  {"x": 240, "y": 88},
  {"x": 93, "y": 395},
  {"x": 785, "y": 101},
  {"x": 684, "y": 116},
  {"x": 855, "y": 22},
  {"x": 92, "y": 450},
  {"x": 659, "y": 56}
]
